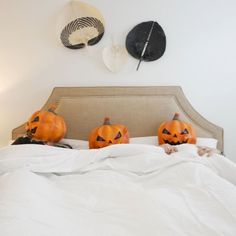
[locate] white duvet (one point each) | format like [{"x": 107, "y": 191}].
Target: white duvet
[{"x": 121, "y": 190}]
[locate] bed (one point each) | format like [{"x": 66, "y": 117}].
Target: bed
[{"x": 126, "y": 189}]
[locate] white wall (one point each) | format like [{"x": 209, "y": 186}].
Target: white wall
[{"x": 200, "y": 56}]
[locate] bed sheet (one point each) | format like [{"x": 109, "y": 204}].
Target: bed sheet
[{"x": 126, "y": 189}]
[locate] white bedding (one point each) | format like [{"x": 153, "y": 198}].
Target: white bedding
[{"x": 121, "y": 190}]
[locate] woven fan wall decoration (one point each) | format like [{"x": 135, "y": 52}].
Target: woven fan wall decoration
[{"x": 84, "y": 26}]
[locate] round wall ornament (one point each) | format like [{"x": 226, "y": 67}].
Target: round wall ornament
[
  {"x": 114, "y": 57},
  {"x": 84, "y": 26},
  {"x": 146, "y": 41}
]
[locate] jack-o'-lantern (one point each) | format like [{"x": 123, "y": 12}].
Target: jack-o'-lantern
[
  {"x": 176, "y": 132},
  {"x": 108, "y": 134},
  {"x": 46, "y": 126}
]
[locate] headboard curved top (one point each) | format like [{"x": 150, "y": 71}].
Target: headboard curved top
[{"x": 141, "y": 109}]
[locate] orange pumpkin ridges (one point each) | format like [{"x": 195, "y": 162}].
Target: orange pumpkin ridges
[
  {"x": 176, "y": 132},
  {"x": 108, "y": 134},
  {"x": 46, "y": 126}
]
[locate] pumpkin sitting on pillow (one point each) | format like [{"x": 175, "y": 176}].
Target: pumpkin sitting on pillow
[
  {"x": 108, "y": 134},
  {"x": 175, "y": 132},
  {"x": 46, "y": 126}
]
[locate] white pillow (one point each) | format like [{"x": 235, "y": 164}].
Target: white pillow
[
  {"x": 75, "y": 144},
  {"x": 153, "y": 140},
  {"x": 83, "y": 144},
  {"x": 149, "y": 140},
  {"x": 207, "y": 142}
]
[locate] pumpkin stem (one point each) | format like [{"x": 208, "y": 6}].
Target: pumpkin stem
[
  {"x": 52, "y": 108},
  {"x": 106, "y": 121},
  {"x": 176, "y": 116}
]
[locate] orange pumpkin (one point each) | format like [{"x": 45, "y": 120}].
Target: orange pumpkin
[
  {"x": 46, "y": 125},
  {"x": 108, "y": 134},
  {"x": 176, "y": 132}
]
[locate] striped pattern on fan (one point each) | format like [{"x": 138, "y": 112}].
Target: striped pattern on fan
[
  {"x": 79, "y": 28},
  {"x": 83, "y": 25}
]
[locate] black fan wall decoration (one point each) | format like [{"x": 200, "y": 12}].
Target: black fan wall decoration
[{"x": 146, "y": 41}]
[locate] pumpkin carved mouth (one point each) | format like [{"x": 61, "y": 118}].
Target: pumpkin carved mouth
[
  {"x": 46, "y": 125},
  {"x": 108, "y": 134},
  {"x": 175, "y": 143}
]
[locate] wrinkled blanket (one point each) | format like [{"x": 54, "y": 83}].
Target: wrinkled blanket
[{"x": 121, "y": 190}]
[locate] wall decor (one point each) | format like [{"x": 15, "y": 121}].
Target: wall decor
[
  {"x": 146, "y": 41},
  {"x": 84, "y": 26},
  {"x": 114, "y": 57}
]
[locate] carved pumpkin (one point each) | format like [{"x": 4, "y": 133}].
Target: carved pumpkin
[
  {"x": 108, "y": 134},
  {"x": 46, "y": 126},
  {"x": 176, "y": 132}
]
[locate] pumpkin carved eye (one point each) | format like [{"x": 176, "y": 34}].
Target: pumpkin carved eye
[
  {"x": 175, "y": 132},
  {"x": 185, "y": 131},
  {"x": 36, "y": 119},
  {"x": 46, "y": 125},
  {"x": 108, "y": 134},
  {"x": 33, "y": 131},
  {"x": 99, "y": 138},
  {"x": 118, "y": 135},
  {"x": 165, "y": 131}
]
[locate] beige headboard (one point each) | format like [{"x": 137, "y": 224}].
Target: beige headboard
[{"x": 142, "y": 109}]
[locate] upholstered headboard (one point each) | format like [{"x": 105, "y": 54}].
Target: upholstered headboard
[{"x": 142, "y": 109}]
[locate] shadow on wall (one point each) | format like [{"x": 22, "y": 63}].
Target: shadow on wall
[{"x": 17, "y": 102}]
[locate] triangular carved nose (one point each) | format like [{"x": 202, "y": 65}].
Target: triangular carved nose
[{"x": 175, "y": 136}]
